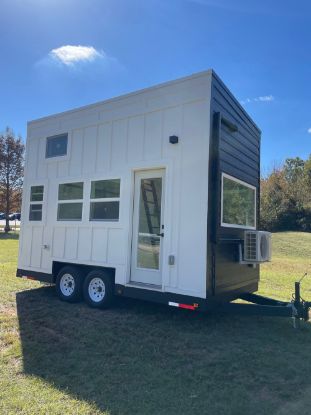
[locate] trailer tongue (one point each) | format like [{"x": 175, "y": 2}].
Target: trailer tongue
[{"x": 298, "y": 308}]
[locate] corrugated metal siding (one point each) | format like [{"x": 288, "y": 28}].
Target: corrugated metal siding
[{"x": 239, "y": 156}]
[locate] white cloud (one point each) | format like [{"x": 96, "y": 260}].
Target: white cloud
[
  {"x": 70, "y": 55},
  {"x": 309, "y": 130},
  {"x": 264, "y": 98}
]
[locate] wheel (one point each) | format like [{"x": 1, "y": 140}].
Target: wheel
[
  {"x": 98, "y": 289},
  {"x": 69, "y": 284}
]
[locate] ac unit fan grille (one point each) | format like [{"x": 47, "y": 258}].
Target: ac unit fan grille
[{"x": 251, "y": 247}]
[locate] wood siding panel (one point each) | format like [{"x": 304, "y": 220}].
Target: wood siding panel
[
  {"x": 32, "y": 159},
  {"x": 239, "y": 156},
  {"x": 84, "y": 244},
  {"x": 153, "y": 136},
  {"x": 89, "y": 150},
  {"x": 76, "y": 156},
  {"x": 119, "y": 144},
  {"x": 58, "y": 247},
  {"x": 103, "y": 156},
  {"x": 99, "y": 245},
  {"x": 116, "y": 246},
  {"x": 193, "y": 205},
  {"x": 36, "y": 247},
  {"x": 136, "y": 132},
  {"x": 71, "y": 243}
]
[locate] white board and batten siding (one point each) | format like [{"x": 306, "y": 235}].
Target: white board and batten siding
[{"x": 112, "y": 140}]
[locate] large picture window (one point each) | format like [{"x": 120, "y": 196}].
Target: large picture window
[
  {"x": 105, "y": 200},
  {"x": 70, "y": 201},
  {"x": 56, "y": 146},
  {"x": 238, "y": 204},
  {"x": 35, "y": 209}
]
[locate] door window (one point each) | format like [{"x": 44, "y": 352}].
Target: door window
[{"x": 149, "y": 223}]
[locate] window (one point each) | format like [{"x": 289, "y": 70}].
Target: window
[
  {"x": 71, "y": 197},
  {"x": 56, "y": 146},
  {"x": 105, "y": 200},
  {"x": 238, "y": 207},
  {"x": 35, "y": 210}
]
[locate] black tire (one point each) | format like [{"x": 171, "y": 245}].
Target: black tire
[
  {"x": 69, "y": 283},
  {"x": 98, "y": 289}
]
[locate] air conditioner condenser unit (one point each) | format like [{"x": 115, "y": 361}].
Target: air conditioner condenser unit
[{"x": 257, "y": 246}]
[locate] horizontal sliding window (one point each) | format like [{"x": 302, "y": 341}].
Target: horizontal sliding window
[
  {"x": 56, "y": 146},
  {"x": 105, "y": 200},
  {"x": 35, "y": 209},
  {"x": 70, "y": 201},
  {"x": 238, "y": 203}
]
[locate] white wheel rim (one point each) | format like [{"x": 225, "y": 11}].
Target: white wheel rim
[
  {"x": 67, "y": 284},
  {"x": 97, "y": 289}
]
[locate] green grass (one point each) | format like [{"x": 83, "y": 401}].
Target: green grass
[{"x": 140, "y": 358}]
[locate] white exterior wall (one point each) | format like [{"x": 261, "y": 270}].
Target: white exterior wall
[{"x": 112, "y": 139}]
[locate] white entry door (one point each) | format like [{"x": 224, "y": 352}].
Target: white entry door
[{"x": 148, "y": 228}]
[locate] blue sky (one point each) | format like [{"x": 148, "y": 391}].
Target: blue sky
[{"x": 260, "y": 49}]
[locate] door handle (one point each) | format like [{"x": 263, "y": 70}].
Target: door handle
[{"x": 160, "y": 234}]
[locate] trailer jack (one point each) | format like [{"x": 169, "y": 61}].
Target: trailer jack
[{"x": 297, "y": 309}]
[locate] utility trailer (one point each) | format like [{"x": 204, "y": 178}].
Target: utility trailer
[{"x": 152, "y": 195}]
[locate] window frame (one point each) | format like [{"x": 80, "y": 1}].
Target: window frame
[
  {"x": 104, "y": 199},
  {"x": 231, "y": 225},
  {"x": 36, "y": 202},
  {"x": 62, "y": 156},
  {"x": 67, "y": 201}
]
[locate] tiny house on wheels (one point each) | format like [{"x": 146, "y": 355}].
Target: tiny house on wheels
[{"x": 152, "y": 195}]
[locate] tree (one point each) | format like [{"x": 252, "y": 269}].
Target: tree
[
  {"x": 293, "y": 169},
  {"x": 11, "y": 170},
  {"x": 286, "y": 197},
  {"x": 273, "y": 201}
]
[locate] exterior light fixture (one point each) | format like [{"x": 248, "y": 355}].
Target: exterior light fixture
[{"x": 173, "y": 139}]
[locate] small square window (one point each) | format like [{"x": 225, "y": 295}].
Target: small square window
[
  {"x": 36, "y": 193},
  {"x": 56, "y": 146},
  {"x": 35, "y": 212}
]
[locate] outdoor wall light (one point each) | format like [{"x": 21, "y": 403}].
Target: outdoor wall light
[{"x": 173, "y": 139}]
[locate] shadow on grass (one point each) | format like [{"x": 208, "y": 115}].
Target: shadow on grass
[
  {"x": 10, "y": 235},
  {"x": 149, "y": 359}
]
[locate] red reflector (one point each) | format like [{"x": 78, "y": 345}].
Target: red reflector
[
  {"x": 187, "y": 306},
  {"x": 31, "y": 278}
]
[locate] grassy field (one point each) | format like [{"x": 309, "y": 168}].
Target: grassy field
[{"x": 139, "y": 358}]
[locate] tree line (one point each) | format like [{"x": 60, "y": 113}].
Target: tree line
[
  {"x": 286, "y": 197},
  {"x": 11, "y": 173}
]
